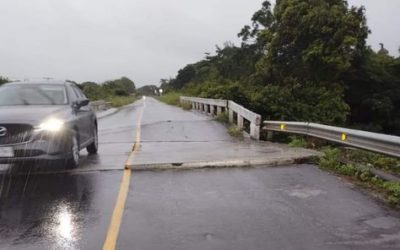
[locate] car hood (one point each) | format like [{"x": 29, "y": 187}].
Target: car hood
[{"x": 32, "y": 114}]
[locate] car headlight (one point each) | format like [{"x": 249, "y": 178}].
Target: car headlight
[{"x": 52, "y": 125}]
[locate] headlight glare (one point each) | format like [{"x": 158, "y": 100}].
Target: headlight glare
[{"x": 52, "y": 125}]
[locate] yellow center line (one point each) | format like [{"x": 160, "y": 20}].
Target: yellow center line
[{"x": 116, "y": 219}]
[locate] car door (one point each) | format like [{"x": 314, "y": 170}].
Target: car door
[{"x": 84, "y": 116}]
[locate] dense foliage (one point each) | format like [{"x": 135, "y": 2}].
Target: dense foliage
[
  {"x": 306, "y": 61},
  {"x": 148, "y": 90},
  {"x": 120, "y": 87}
]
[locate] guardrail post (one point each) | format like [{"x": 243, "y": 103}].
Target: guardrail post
[{"x": 230, "y": 115}]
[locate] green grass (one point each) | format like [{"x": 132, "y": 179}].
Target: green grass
[
  {"x": 359, "y": 173},
  {"x": 298, "y": 142},
  {"x": 171, "y": 98},
  {"x": 119, "y": 101},
  {"x": 379, "y": 161}
]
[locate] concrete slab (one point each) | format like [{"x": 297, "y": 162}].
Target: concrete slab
[
  {"x": 173, "y": 138},
  {"x": 178, "y": 155}
]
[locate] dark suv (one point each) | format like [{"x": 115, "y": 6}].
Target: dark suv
[{"x": 45, "y": 121}]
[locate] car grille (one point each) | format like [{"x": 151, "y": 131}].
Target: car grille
[
  {"x": 27, "y": 153},
  {"x": 15, "y": 133}
]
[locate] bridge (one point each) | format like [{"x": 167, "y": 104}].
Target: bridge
[{"x": 166, "y": 178}]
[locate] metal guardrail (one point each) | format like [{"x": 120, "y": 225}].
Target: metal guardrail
[
  {"x": 379, "y": 143},
  {"x": 375, "y": 142},
  {"x": 100, "y": 105},
  {"x": 217, "y": 106}
]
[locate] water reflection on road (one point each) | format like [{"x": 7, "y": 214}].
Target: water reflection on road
[{"x": 52, "y": 211}]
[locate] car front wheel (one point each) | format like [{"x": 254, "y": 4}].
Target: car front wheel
[
  {"x": 94, "y": 146},
  {"x": 73, "y": 161}
]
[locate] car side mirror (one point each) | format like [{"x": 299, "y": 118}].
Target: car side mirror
[{"x": 80, "y": 103}]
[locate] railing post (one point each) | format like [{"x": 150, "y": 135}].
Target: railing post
[
  {"x": 255, "y": 128},
  {"x": 240, "y": 121},
  {"x": 230, "y": 116},
  {"x": 212, "y": 110},
  {"x": 219, "y": 110},
  {"x": 254, "y": 131}
]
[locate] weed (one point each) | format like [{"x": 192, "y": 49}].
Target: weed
[
  {"x": 379, "y": 161},
  {"x": 347, "y": 169},
  {"x": 171, "y": 98},
  {"x": 330, "y": 159},
  {"x": 393, "y": 189},
  {"x": 298, "y": 142},
  {"x": 235, "y": 131},
  {"x": 186, "y": 105},
  {"x": 223, "y": 117}
]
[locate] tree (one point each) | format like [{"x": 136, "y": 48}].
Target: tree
[
  {"x": 3, "y": 80},
  {"x": 184, "y": 77},
  {"x": 93, "y": 91},
  {"x": 305, "y": 61},
  {"x": 123, "y": 84},
  {"x": 126, "y": 84},
  {"x": 313, "y": 41},
  {"x": 148, "y": 90},
  {"x": 373, "y": 93}
]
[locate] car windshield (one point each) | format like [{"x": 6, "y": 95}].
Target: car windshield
[{"x": 38, "y": 94}]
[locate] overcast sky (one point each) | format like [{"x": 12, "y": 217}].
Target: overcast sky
[{"x": 97, "y": 40}]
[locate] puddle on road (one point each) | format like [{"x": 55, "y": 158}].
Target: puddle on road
[{"x": 305, "y": 192}]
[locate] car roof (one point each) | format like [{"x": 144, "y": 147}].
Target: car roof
[{"x": 37, "y": 82}]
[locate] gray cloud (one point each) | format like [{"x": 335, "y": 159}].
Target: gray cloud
[{"x": 144, "y": 40}]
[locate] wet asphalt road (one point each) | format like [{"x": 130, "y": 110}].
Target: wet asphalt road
[{"x": 291, "y": 207}]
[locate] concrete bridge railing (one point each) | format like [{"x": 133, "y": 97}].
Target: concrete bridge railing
[
  {"x": 100, "y": 105},
  {"x": 218, "y": 106}
]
